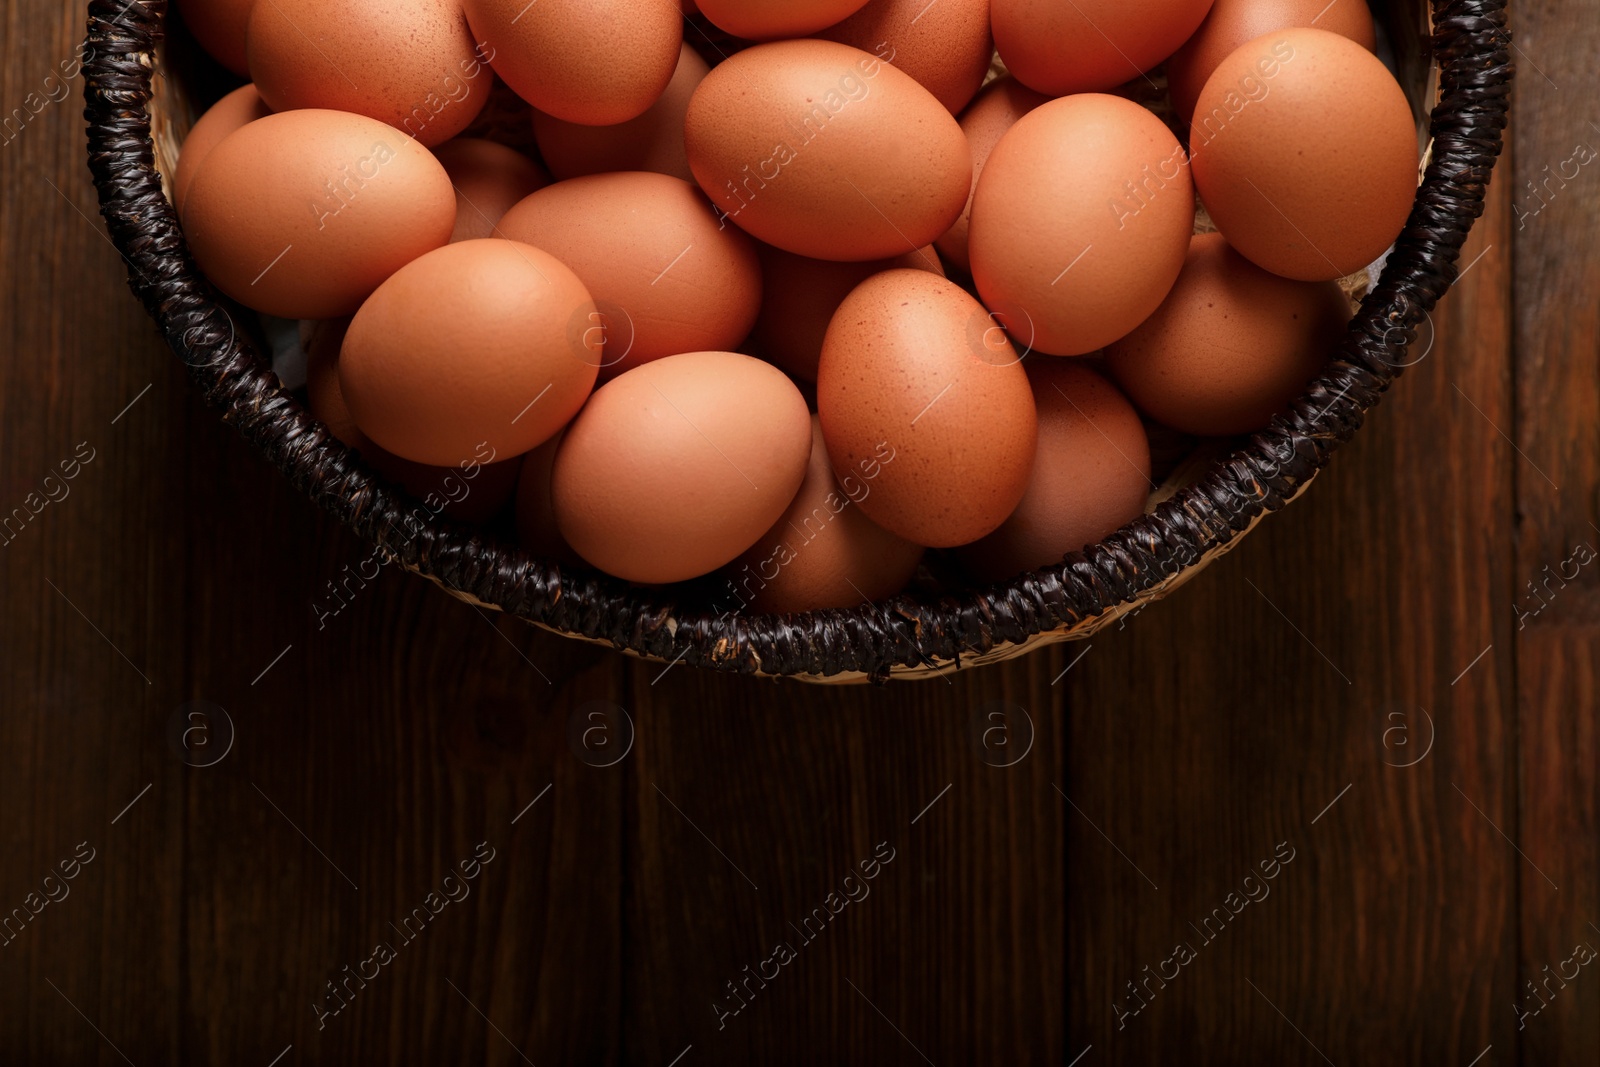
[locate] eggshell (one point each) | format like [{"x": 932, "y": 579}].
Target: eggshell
[
  {"x": 653, "y": 141},
  {"x": 916, "y": 377},
  {"x": 238, "y": 109},
  {"x": 761, "y": 20},
  {"x": 995, "y": 111},
  {"x": 824, "y": 552},
  {"x": 1231, "y": 346},
  {"x": 945, "y": 46},
  {"x": 1237, "y": 22},
  {"x": 1089, "y": 45},
  {"x": 410, "y": 63},
  {"x": 220, "y": 27},
  {"x": 536, "y": 510},
  {"x": 1305, "y": 154},
  {"x": 676, "y": 467},
  {"x": 490, "y": 179},
  {"x": 482, "y": 341},
  {"x": 475, "y": 491},
  {"x": 666, "y": 277},
  {"x": 302, "y": 214},
  {"x": 1080, "y": 222},
  {"x": 1091, "y": 474},
  {"x": 598, "y": 63},
  {"x": 800, "y": 295},
  {"x": 826, "y": 151}
]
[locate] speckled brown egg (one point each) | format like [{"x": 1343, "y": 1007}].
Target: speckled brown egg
[
  {"x": 302, "y": 214},
  {"x": 826, "y": 151},
  {"x": 676, "y": 467},
  {"x": 220, "y": 26},
  {"x": 764, "y": 20},
  {"x": 490, "y": 179},
  {"x": 1091, "y": 475},
  {"x": 598, "y": 63},
  {"x": 665, "y": 275},
  {"x": 1080, "y": 222},
  {"x": 239, "y": 108},
  {"x": 916, "y": 378},
  {"x": 482, "y": 343},
  {"x": 474, "y": 491},
  {"x": 824, "y": 552},
  {"x": 945, "y": 46},
  {"x": 800, "y": 295},
  {"x": 410, "y": 63},
  {"x": 1074, "y": 46},
  {"x": 653, "y": 141},
  {"x": 1237, "y": 22},
  {"x": 1231, "y": 346},
  {"x": 995, "y": 111},
  {"x": 1305, "y": 153}
]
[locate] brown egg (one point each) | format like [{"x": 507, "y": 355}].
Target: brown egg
[
  {"x": 827, "y": 152},
  {"x": 1237, "y": 22},
  {"x": 410, "y": 63},
  {"x": 653, "y": 141},
  {"x": 599, "y": 63},
  {"x": 239, "y": 108},
  {"x": 482, "y": 342},
  {"x": 302, "y": 214},
  {"x": 995, "y": 111},
  {"x": 676, "y": 467},
  {"x": 917, "y": 382},
  {"x": 1090, "y": 477},
  {"x": 536, "y": 511},
  {"x": 220, "y": 26},
  {"x": 1231, "y": 346},
  {"x": 800, "y": 295},
  {"x": 763, "y": 20},
  {"x": 1080, "y": 222},
  {"x": 666, "y": 277},
  {"x": 823, "y": 553},
  {"x": 1089, "y": 45},
  {"x": 945, "y": 46},
  {"x": 1305, "y": 154},
  {"x": 490, "y": 179},
  {"x": 475, "y": 491}
]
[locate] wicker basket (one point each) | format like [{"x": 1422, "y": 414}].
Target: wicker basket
[{"x": 135, "y": 117}]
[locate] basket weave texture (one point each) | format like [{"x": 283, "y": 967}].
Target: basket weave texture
[{"x": 908, "y": 635}]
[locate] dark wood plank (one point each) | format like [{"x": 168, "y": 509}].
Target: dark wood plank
[
  {"x": 1556, "y": 580},
  {"x": 756, "y": 800},
  {"x": 1224, "y": 722}
]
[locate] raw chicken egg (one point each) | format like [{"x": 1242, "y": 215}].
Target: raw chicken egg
[
  {"x": 238, "y": 109},
  {"x": 676, "y": 467},
  {"x": 600, "y": 62},
  {"x": 220, "y": 26},
  {"x": 1091, "y": 475},
  {"x": 1080, "y": 46},
  {"x": 945, "y": 46},
  {"x": 482, "y": 344},
  {"x": 826, "y": 151},
  {"x": 665, "y": 275},
  {"x": 1231, "y": 346},
  {"x": 302, "y": 214},
  {"x": 761, "y": 20},
  {"x": 1080, "y": 222},
  {"x": 490, "y": 179},
  {"x": 917, "y": 379},
  {"x": 1305, "y": 153},
  {"x": 410, "y": 63},
  {"x": 653, "y": 141},
  {"x": 995, "y": 111},
  {"x": 823, "y": 552}
]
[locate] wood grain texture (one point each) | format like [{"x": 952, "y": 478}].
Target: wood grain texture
[
  {"x": 1554, "y": 420},
  {"x": 1167, "y": 763}
]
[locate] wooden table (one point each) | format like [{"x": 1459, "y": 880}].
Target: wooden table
[{"x": 1369, "y": 700}]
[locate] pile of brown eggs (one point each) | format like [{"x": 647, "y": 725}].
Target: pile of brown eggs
[{"x": 810, "y": 291}]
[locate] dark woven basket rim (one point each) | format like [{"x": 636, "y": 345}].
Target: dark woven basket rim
[{"x": 1471, "y": 45}]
